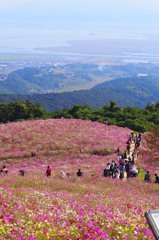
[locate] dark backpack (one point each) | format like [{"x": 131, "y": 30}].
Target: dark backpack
[{"x": 111, "y": 166}]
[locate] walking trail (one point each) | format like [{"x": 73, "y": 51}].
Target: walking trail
[{"x": 132, "y": 148}]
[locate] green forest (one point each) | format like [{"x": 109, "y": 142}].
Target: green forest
[
  {"x": 133, "y": 92},
  {"x": 135, "y": 118}
]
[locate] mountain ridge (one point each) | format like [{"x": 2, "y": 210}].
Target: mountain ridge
[{"x": 134, "y": 91}]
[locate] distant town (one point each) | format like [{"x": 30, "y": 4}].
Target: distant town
[{"x": 45, "y": 73}]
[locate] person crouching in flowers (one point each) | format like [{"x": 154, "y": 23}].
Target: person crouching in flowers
[
  {"x": 147, "y": 177},
  {"x": 48, "y": 171},
  {"x": 4, "y": 170},
  {"x": 79, "y": 173}
]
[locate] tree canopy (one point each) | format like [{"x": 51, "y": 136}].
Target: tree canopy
[
  {"x": 16, "y": 111},
  {"x": 135, "y": 118}
]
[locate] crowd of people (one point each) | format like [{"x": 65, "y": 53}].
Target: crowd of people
[{"x": 125, "y": 162}]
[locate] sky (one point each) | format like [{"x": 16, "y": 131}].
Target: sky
[{"x": 44, "y": 22}]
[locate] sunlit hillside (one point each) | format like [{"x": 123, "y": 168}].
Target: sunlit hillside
[
  {"x": 149, "y": 152},
  {"x": 37, "y": 207},
  {"x": 71, "y": 143}
]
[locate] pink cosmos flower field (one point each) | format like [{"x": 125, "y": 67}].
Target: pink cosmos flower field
[
  {"x": 149, "y": 152},
  {"x": 35, "y": 207}
]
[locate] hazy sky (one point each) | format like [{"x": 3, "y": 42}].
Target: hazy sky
[{"x": 67, "y": 18}]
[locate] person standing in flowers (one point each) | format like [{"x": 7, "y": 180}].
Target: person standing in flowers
[
  {"x": 124, "y": 155},
  {"x": 131, "y": 137},
  {"x": 118, "y": 158},
  {"x": 116, "y": 174},
  {"x": 79, "y": 173},
  {"x": 128, "y": 146},
  {"x": 113, "y": 166},
  {"x": 121, "y": 169},
  {"x": 127, "y": 169},
  {"x": 106, "y": 171},
  {"x": 156, "y": 178},
  {"x": 118, "y": 150},
  {"x": 33, "y": 154},
  {"x": 48, "y": 171}
]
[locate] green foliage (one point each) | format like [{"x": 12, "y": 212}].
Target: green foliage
[
  {"x": 81, "y": 112},
  {"x": 141, "y": 174},
  {"x": 102, "y": 152},
  {"x": 10, "y": 112},
  {"x": 137, "y": 119}
]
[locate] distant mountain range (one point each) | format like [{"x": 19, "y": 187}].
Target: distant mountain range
[{"x": 134, "y": 91}]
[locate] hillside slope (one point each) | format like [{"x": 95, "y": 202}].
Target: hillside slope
[
  {"x": 34, "y": 206},
  {"x": 58, "y": 136}
]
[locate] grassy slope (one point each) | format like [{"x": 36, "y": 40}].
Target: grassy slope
[{"x": 35, "y": 207}]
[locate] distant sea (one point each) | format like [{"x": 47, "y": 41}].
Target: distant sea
[
  {"x": 24, "y": 40},
  {"x": 127, "y": 46}
]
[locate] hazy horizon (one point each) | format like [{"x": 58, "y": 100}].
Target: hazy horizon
[{"x": 29, "y": 24}]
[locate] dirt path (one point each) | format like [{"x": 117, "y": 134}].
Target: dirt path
[{"x": 132, "y": 148}]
